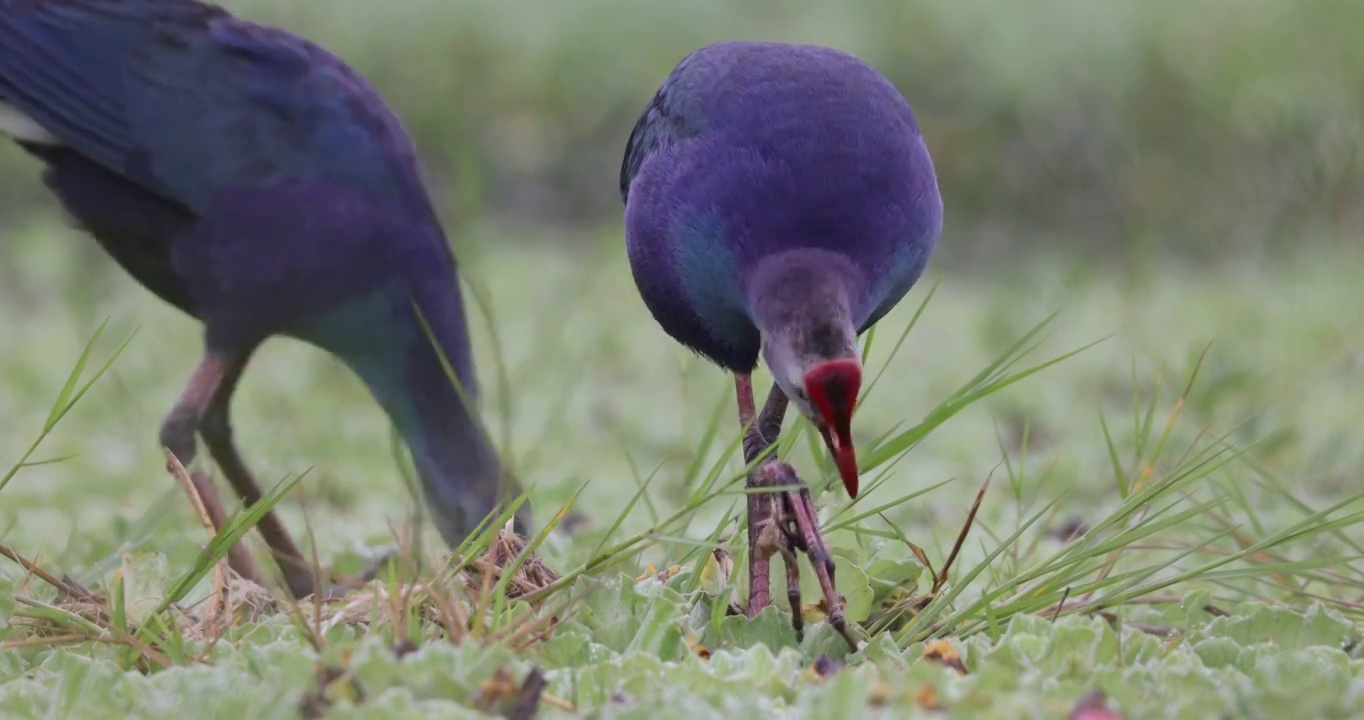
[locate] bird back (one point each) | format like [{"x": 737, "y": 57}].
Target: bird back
[{"x": 186, "y": 100}]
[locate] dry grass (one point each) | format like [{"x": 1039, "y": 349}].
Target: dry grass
[{"x": 447, "y": 605}]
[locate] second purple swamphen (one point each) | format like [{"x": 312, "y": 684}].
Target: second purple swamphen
[
  {"x": 779, "y": 200},
  {"x": 254, "y": 181}
]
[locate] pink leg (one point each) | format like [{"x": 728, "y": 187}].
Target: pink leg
[
  {"x": 782, "y": 522},
  {"x": 177, "y": 435},
  {"x": 760, "y": 515}
]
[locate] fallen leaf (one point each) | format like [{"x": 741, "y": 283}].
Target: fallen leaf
[
  {"x": 649, "y": 571},
  {"x": 943, "y": 651},
  {"x": 927, "y": 697},
  {"x": 496, "y": 690}
]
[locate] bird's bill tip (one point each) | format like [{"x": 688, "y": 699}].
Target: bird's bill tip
[
  {"x": 832, "y": 386},
  {"x": 845, "y": 458}
]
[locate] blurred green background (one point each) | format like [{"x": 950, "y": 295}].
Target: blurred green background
[{"x": 1121, "y": 129}]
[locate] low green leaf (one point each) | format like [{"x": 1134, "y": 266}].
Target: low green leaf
[
  {"x": 770, "y": 628},
  {"x": 145, "y": 576}
]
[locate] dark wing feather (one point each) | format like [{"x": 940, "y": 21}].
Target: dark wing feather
[
  {"x": 665, "y": 120},
  {"x": 69, "y": 83},
  {"x": 643, "y": 139},
  {"x": 186, "y": 100}
]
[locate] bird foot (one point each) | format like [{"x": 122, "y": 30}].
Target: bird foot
[
  {"x": 300, "y": 582},
  {"x": 344, "y": 585},
  {"x": 786, "y": 523}
]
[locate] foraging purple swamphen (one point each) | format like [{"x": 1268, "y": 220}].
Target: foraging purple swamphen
[
  {"x": 779, "y": 201},
  {"x": 254, "y": 181}
]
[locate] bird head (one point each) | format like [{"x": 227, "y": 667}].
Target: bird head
[
  {"x": 801, "y": 302},
  {"x": 824, "y": 389}
]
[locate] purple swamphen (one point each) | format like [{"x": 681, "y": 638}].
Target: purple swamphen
[
  {"x": 254, "y": 181},
  {"x": 779, "y": 200}
]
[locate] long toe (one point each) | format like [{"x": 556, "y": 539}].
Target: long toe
[{"x": 300, "y": 582}]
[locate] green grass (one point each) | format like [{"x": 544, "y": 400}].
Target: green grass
[{"x": 1201, "y": 448}]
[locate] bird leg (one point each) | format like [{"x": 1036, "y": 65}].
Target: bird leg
[
  {"x": 763, "y": 533},
  {"x": 177, "y": 435},
  {"x": 216, "y": 429},
  {"x": 781, "y": 522},
  {"x": 203, "y": 408}
]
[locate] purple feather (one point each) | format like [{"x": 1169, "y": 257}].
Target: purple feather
[
  {"x": 779, "y": 200},
  {"x": 754, "y": 150}
]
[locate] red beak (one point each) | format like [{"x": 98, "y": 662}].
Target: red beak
[{"x": 832, "y": 387}]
